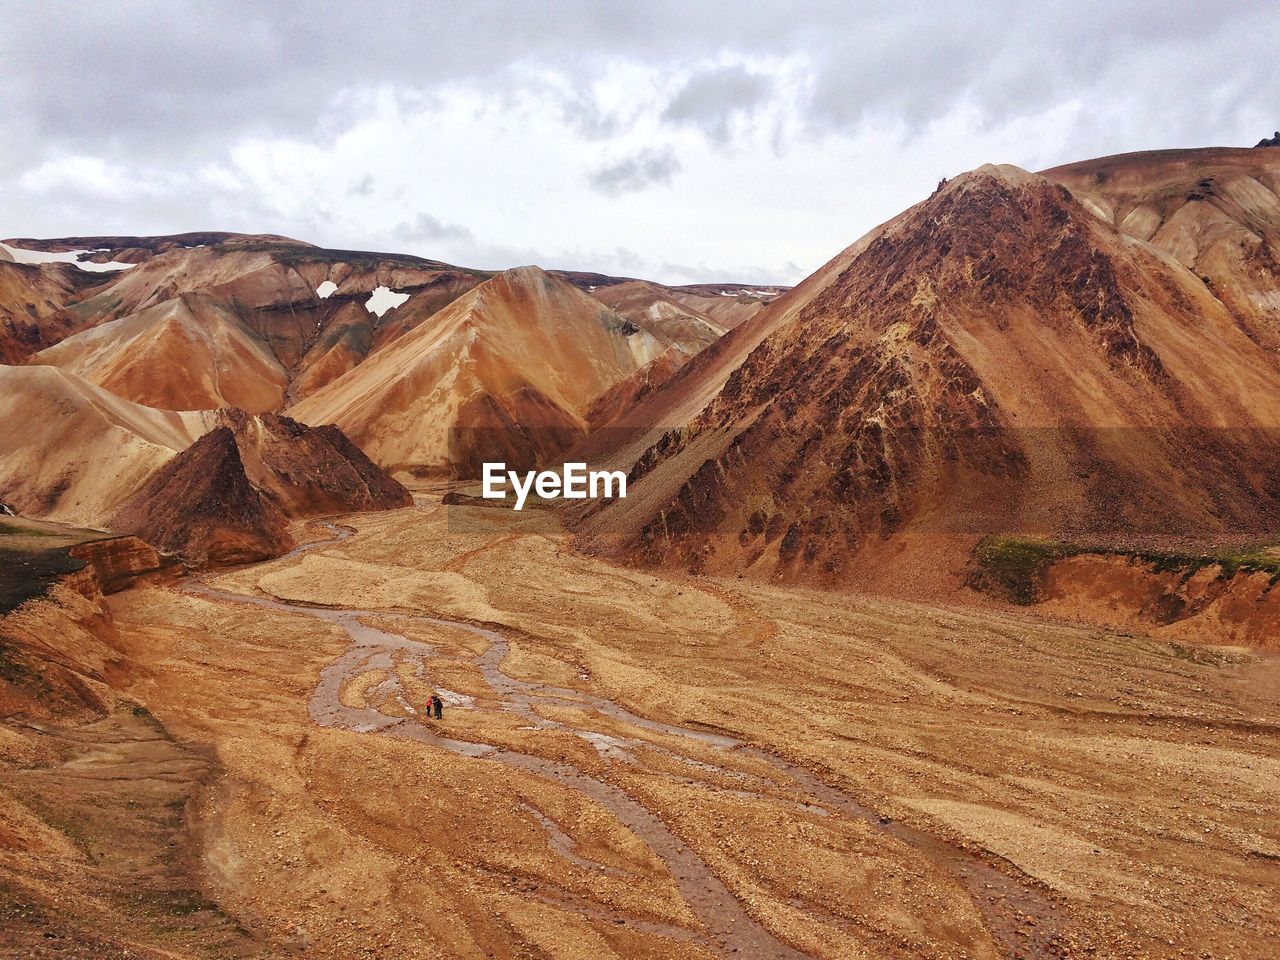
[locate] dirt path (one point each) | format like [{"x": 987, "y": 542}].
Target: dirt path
[{"x": 1023, "y": 920}]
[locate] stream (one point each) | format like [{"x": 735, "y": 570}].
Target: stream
[{"x": 728, "y": 930}]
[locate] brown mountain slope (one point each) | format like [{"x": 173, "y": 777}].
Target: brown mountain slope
[
  {"x": 657, "y": 310},
  {"x": 190, "y": 352},
  {"x": 314, "y": 336},
  {"x": 624, "y": 395},
  {"x": 317, "y": 338},
  {"x": 1217, "y": 212},
  {"x": 229, "y": 496},
  {"x": 272, "y": 288},
  {"x": 505, "y": 372},
  {"x": 72, "y": 452},
  {"x": 726, "y": 305},
  {"x": 308, "y": 471},
  {"x": 184, "y": 269},
  {"x": 996, "y": 358},
  {"x": 31, "y": 298},
  {"x": 633, "y": 428},
  {"x": 202, "y": 507}
]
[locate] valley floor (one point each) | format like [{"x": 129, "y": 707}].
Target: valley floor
[{"x": 637, "y": 764}]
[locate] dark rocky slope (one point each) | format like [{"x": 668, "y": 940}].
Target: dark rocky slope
[
  {"x": 997, "y": 359},
  {"x": 230, "y": 496}
]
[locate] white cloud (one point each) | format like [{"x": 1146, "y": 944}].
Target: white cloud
[
  {"x": 96, "y": 177},
  {"x": 665, "y": 139}
]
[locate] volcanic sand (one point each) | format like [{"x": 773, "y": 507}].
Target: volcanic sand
[{"x": 643, "y": 765}]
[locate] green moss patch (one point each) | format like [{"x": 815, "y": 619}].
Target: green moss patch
[
  {"x": 1013, "y": 567},
  {"x": 27, "y": 574}
]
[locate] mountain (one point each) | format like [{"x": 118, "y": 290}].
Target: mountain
[
  {"x": 624, "y": 395},
  {"x": 205, "y": 321},
  {"x": 31, "y": 300},
  {"x": 202, "y": 507},
  {"x": 658, "y": 310},
  {"x": 725, "y": 305},
  {"x": 191, "y": 352},
  {"x": 1217, "y": 212},
  {"x": 259, "y": 319},
  {"x": 653, "y": 417},
  {"x": 134, "y": 250},
  {"x": 999, "y": 357},
  {"x": 310, "y": 471},
  {"x": 260, "y": 322},
  {"x": 72, "y": 452},
  {"x": 228, "y": 498},
  {"x": 505, "y": 372},
  {"x": 216, "y": 485}
]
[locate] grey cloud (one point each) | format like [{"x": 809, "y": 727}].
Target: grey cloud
[
  {"x": 428, "y": 229},
  {"x": 167, "y": 86},
  {"x": 686, "y": 273},
  {"x": 641, "y": 170},
  {"x": 1007, "y": 58},
  {"x": 711, "y": 99},
  {"x": 183, "y": 79},
  {"x": 436, "y": 239}
]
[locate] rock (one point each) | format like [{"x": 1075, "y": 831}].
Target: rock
[{"x": 119, "y": 561}]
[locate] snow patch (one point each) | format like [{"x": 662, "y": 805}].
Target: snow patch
[
  {"x": 66, "y": 256},
  {"x": 754, "y": 294},
  {"x": 327, "y": 290},
  {"x": 384, "y": 299}
]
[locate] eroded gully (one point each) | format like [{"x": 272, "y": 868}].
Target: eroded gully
[{"x": 1005, "y": 902}]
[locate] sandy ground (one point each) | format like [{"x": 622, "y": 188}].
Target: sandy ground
[{"x": 636, "y": 764}]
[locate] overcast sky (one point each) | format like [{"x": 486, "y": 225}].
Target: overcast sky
[{"x": 679, "y": 141}]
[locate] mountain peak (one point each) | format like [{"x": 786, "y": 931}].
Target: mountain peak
[
  {"x": 1006, "y": 173},
  {"x": 531, "y": 275},
  {"x": 228, "y": 497},
  {"x": 997, "y": 354}
]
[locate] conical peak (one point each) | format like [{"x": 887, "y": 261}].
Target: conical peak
[
  {"x": 1002, "y": 175},
  {"x": 529, "y": 273}
]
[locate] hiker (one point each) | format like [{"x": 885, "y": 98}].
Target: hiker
[{"x": 437, "y": 706}]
